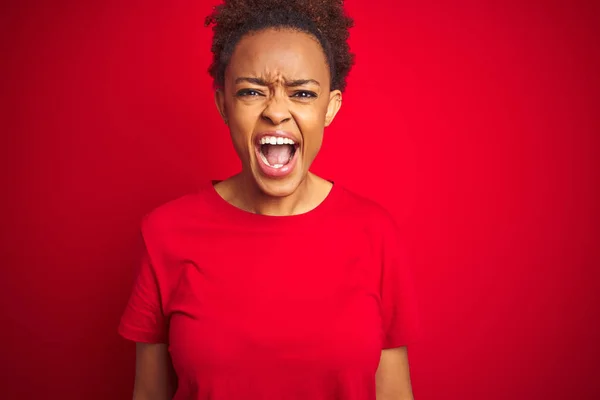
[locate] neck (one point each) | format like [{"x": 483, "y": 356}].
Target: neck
[{"x": 243, "y": 193}]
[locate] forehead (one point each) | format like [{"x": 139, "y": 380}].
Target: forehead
[{"x": 276, "y": 53}]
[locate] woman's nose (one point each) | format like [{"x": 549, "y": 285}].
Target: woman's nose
[{"x": 276, "y": 111}]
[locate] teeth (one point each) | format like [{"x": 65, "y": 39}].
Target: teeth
[{"x": 274, "y": 140}]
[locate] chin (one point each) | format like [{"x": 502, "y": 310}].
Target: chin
[{"x": 278, "y": 187}]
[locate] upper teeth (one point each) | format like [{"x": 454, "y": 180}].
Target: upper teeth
[{"x": 275, "y": 140}]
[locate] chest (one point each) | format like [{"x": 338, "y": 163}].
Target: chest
[{"x": 276, "y": 299}]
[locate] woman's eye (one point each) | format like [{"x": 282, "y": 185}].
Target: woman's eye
[
  {"x": 248, "y": 92},
  {"x": 305, "y": 94}
]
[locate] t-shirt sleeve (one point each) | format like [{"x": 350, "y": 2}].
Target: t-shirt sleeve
[
  {"x": 398, "y": 298},
  {"x": 143, "y": 319}
]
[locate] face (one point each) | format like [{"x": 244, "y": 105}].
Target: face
[{"x": 277, "y": 101}]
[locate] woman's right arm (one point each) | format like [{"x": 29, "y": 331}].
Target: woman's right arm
[{"x": 152, "y": 372}]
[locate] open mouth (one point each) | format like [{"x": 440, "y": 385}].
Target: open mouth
[{"x": 277, "y": 152}]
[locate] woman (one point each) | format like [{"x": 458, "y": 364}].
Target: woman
[{"x": 274, "y": 283}]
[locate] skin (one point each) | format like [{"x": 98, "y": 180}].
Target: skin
[
  {"x": 277, "y": 79},
  {"x": 392, "y": 380},
  {"x": 153, "y": 375}
]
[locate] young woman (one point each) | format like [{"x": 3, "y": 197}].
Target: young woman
[{"x": 274, "y": 283}]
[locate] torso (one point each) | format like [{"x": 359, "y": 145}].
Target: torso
[{"x": 265, "y": 307}]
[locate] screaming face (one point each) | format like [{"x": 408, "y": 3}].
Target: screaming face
[{"x": 277, "y": 101}]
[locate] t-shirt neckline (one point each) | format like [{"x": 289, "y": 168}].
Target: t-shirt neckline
[{"x": 242, "y": 216}]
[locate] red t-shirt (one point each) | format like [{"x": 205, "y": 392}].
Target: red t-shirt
[{"x": 262, "y": 307}]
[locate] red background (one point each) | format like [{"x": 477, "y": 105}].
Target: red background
[{"x": 474, "y": 122}]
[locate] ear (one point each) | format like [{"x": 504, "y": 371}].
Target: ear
[
  {"x": 220, "y": 103},
  {"x": 334, "y": 105}
]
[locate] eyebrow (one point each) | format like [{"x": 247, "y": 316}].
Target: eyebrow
[{"x": 262, "y": 82}]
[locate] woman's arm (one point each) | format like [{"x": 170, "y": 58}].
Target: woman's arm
[
  {"x": 393, "y": 376},
  {"x": 152, "y": 373}
]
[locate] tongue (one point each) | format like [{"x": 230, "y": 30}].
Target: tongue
[{"x": 277, "y": 154}]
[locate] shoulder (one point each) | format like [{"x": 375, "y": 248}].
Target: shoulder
[
  {"x": 369, "y": 216},
  {"x": 179, "y": 213},
  {"x": 365, "y": 210}
]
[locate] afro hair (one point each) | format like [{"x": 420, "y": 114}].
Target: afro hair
[{"x": 326, "y": 20}]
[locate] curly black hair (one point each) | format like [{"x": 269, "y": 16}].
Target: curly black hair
[{"x": 326, "y": 20}]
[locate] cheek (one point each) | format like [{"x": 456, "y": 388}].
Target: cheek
[
  {"x": 311, "y": 123},
  {"x": 241, "y": 115},
  {"x": 241, "y": 121}
]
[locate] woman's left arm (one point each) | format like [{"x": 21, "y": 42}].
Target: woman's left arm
[{"x": 393, "y": 376}]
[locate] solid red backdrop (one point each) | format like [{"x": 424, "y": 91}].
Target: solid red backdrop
[{"x": 474, "y": 122}]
